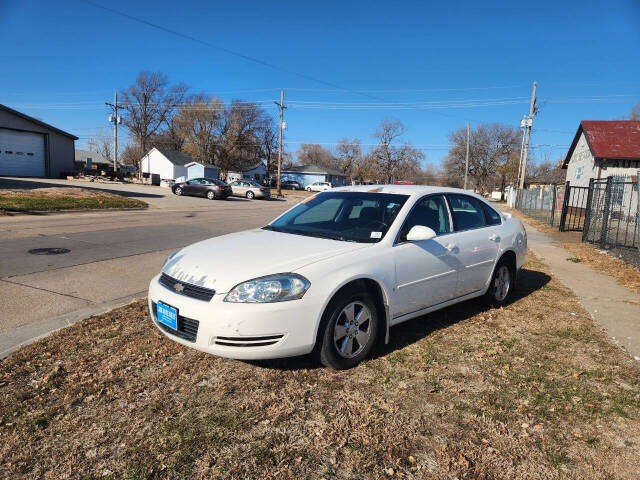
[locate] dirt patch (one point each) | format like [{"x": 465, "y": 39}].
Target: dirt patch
[
  {"x": 533, "y": 390},
  {"x": 62, "y": 198}
]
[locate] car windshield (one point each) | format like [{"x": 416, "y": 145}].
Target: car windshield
[{"x": 349, "y": 216}]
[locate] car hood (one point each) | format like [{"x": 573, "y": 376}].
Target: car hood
[{"x": 220, "y": 263}]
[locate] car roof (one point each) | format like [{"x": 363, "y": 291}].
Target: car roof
[{"x": 411, "y": 190}]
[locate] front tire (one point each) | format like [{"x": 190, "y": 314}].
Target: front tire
[
  {"x": 250, "y": 195},
  {"x": 350, "y": 328},
  {"x": 308, "y": 189},
  {"x": 502, "y": 284},
  {"x": 177, "y": 191}
]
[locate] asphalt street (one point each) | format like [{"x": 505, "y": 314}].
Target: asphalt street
[{"x": 112, "y": 254}]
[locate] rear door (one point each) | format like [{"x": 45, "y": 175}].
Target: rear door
[{"x": 476, "y": 242}]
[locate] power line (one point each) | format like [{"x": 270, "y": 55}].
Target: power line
[{"x": 224, "y": 49}]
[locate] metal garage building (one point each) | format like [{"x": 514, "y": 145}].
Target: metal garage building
[{"x": 32, "y": 148}]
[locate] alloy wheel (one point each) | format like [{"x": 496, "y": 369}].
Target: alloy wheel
[
  {"x": 502, "y": 283},
  {"x": 352, "y": 330},
  {"x": 178, "y": 191},
  {"x": 211, "y": 195}
]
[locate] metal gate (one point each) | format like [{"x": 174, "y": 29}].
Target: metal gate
[
  {"x": 612, "y": 219},
  {"x": 574, "y": 208}
]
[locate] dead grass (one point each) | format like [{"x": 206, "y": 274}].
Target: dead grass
[
  {"x": 62, "y": 198},
  {"x": 600, "y": 260},
  {"x": 533, "y": 390}
]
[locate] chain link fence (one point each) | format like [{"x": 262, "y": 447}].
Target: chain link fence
[
  {"x": 542, "y": 202},
  {"x": 611, "y": 220}
]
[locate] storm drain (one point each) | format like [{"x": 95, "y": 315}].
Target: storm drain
[{"x": 49, "y": 251}]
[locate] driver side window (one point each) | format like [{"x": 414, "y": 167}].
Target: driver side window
[{"x": 429, "y": 212}]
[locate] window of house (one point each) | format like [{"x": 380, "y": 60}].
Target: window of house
[{"x": 578, "y": 173}]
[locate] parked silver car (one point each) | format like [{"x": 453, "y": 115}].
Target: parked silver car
[{"x": 249, "y": 189}]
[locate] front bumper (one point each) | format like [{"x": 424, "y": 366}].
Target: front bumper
[{"x": 247, "y": 331}]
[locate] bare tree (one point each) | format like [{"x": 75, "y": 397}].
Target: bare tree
[
  {"x": 635, "y": 112},
  {"x": 546, "y": 172},
  {"x": 351, "y": 160},
  {"x": 240, "y": 143},
  {"x": 198, "y": 122},
  {"x": 147, "y": 105},
  {"x": 131, "y": 155},
  {"x": 394, "y": 162},
  {"x": 491, "y": 146},
  {"x": 314, "y": 154},
  {"x": 269, "y": 144},
  {"x": 428, "y": 175},
  {"x": 102, "y": 143}
]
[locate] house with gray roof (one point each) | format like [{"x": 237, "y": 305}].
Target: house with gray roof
[{"x": 308, "y": 174}]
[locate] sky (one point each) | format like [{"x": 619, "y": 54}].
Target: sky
[{"x": 345, "y": 66}]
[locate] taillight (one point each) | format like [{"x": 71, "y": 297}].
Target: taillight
[{"x": 220, "y": 188}]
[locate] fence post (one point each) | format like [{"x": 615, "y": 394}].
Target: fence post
[
  {"x": 587, "y": 214},
  {"x": 638, "y": 214},
  {"x": 565, "y": 205},
  {"x": 605, "y": 213},
  {"x": 553, "y": 204}
]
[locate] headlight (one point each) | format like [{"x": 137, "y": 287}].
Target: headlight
[
  {"x": 273, "y": 288},
  {"x": 169, "y": 258}
]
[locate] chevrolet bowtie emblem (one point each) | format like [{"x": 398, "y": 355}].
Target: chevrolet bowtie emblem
[{"x": 178, "y": 287}]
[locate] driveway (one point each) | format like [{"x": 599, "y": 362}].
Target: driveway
[{"x": 112, "y": 255}]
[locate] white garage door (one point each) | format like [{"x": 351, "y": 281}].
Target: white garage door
[{"x": 21, "y": 153}]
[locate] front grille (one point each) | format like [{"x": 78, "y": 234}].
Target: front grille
[
  {"x": 193, "y": 291},
  {"x": 187, "y": 327},
  {"x": 248, "y": 341}
]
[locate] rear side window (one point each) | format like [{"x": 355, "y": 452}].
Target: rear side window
[
  {"x": 466, "y": 212},
  {"x": 492, "y": 217}
]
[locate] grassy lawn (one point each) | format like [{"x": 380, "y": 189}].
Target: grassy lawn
[
  {"x": 533, "y": 390},
  {"x": 54, "y": 199}
]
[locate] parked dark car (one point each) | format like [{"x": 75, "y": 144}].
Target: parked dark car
[
  {"x": 286, "y": 184},
  {"x": 203, "y": 187}
]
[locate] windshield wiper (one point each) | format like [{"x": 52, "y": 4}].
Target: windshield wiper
[{"x": 307, "y": 234}]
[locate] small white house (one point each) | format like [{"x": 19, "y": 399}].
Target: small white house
[
  {"x": 198, "y": 170},
  {"x": 602, "y": 149},
  {"x": 166, "y": 164}
]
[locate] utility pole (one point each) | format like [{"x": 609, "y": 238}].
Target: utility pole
[
  {"x": 115, "y": 119},
  {"x": 523, "y": 124},
  {"x": 466, "y": 160},
  {"x": 282, "y": 107},
  {"x": 532, "y": 109}
]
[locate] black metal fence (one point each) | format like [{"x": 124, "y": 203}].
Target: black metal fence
[
  {"x": 574, "y": 208},
  {"x": 612, "y": 213}
]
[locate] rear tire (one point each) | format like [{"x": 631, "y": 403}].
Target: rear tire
[
  {"x": 177, "y": 191},
  {"x": 308, "y": 189},
  {"x": 211, "y": 195},
  {"x": 250, "y": 195},
  {"x": 502, "y": 284},
  {"x": 348, "y": 330}
]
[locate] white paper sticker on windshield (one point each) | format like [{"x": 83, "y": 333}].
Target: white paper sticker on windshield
[{"x": 376, "y": 234}]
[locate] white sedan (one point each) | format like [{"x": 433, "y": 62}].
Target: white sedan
[
  {"x": 318, "y": 187},
  {"x": 331, "y": 275}
]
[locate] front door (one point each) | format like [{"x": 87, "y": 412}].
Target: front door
[
  {"x": 426, "y": 271},
  {"x": 476, "y": 243}
]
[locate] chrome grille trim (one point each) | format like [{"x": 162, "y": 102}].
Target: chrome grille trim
[{"x": 189, "y": 290}]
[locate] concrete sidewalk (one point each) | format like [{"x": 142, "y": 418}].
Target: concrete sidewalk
[{"x": 614, "y": 307}]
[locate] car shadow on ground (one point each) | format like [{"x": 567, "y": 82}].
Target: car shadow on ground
[
  {"x": 14, "y": 183},
  {"x": 418, "y": 328}
]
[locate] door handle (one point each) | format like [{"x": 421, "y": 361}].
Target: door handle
[
  {"x": 450, "y": 247},
  {"x": 494, "y": 238}
]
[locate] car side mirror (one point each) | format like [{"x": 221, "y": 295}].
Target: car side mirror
[{"x": 419, "y": 233}]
